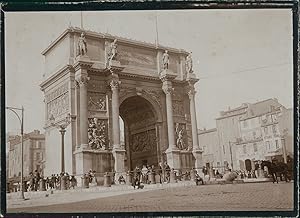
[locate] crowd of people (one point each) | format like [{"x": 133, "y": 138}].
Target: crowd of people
[
  {"x": 139, "y": 176},
  {"x": 35, "y": 180},
  {"x": 142, "y": 175}
]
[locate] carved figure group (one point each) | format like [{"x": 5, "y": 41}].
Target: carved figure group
[
  {"x": 189, "y": 63},
  {"x": 144, "y": 141},
  {"x": 165, "y": 60},
  {"x": 82, "y": 45},
  {"x": 96, "y": 134},
  {"x": 179, "y": 137}
]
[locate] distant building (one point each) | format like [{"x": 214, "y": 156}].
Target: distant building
[
  {"x": 33, "y": 151},
  {"x": 228, "y": 132},
  {"x": 208, "y": 141},
  {"x": 286, "y": 124},
  {"x": 251, "y": 132},
  {"x": 262, "y": 134}
]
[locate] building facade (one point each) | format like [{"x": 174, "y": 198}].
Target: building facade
[
  {"x": 249, "y": 133},
  {"x": 228, "y": 131},
  {"x": 260, "y": 135},
  {"x": 97, "y": 78},
  {"x": 33, "y": 154},
  {"x": 209, "y": 142}
]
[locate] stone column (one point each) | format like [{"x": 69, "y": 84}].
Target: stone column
[
  {"x": 167, "y": 88},
  {"x": 173, "y": 153},
  {"x": 118, "y": 152},
  {"x": 114, "y": 84},
  {"x": 82, "y": 79},
  {"x": 197, "y": 152},
  {"x": 77, "y": 112},
  {"x": 191, "y": 94}
]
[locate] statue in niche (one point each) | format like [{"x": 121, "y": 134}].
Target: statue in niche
[
  {"x": 189, "y": 63},
  {"x": 179, "y": 136},
  {"x": 96, "y": 134},
  {"x": 82, "y": 45},
  {"x": 165, "y": 60},
  {"x": 112, "y": 54}
]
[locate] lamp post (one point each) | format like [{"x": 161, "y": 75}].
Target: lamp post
[
  {"x": 21, "y": 119},
  {"x": 62, "y": 129},
  {"x": 230, "y": 155}
]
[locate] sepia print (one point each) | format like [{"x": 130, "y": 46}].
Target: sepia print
[{"x": 149, "y": 111}]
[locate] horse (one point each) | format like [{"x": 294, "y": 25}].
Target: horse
[{"x": 276, "y": 169}]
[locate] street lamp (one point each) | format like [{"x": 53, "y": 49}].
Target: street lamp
[
  {"x": 230, "y": 155},
  {"x": 21, "y": 119},
  {"x": 62, "y": 129}
]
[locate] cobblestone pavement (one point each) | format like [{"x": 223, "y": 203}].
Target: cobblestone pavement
[{"x": 229, "y": 197}]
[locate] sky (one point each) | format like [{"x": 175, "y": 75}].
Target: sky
[{"x": 239, "y": 55}]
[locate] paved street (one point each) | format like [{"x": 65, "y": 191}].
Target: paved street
[{"x": 229, "y": 197}]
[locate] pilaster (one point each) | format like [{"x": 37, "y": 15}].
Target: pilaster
[{"x": 197, "y": 152}]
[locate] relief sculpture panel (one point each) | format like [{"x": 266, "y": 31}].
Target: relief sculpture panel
[
  {"x": 96, "y": 102},
  {"x": 181, "y": 136},
  {"x": 97, "y": 134},
  {"x": 57, "y": 101},
  {"x": 178, "y": 108},
  {"x": 144, "y": 141}
]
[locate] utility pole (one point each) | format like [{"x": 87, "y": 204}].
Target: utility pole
[
  {"x": 21, "y": 119},
  {"x": 230, "y": 155}
]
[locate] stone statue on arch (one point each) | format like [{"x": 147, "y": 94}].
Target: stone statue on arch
[
  {"x": 82, "y": 45},
  {"x": 189, "y": 63}
]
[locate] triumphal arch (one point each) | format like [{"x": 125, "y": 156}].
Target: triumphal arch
[{"x": 97, "y": 78}]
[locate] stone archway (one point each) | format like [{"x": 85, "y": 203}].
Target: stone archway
[{"x": 141, "y": 137}]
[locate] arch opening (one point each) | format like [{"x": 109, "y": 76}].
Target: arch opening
[{"x": 140, "y": 132}]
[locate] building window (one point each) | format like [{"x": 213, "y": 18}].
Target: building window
[
  {"x": 255, "y": 147},
  {"x": 223, "y": 149},
  {"x": 244, "y": 149},
  {"x": 37, "y": 155},
  {"x": 277, "y": 144}
]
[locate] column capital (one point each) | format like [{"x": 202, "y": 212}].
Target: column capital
[
  {"x": 114, "y": 84},
  {"x": 82, "y": 79},
  {"x": 168, "y": 89}
]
